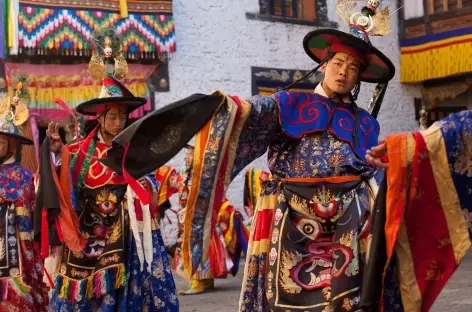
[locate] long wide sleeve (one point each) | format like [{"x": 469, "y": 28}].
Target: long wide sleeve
[
  {"x": 230, "y": 133},
  {"x": 239, "y": 132},
  {"x": 258, "y": 131},
  {"x": 427, "y": 210}
]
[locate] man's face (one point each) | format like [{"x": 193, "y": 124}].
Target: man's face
[
  {"x": 341, "y": 73},
  {"x": 3, "y": 146},
  {"x": 189, "y": 158},
  {"x": 114, "y": 120}
]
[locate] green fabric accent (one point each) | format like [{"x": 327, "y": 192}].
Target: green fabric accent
[
  {"x": 376, "y": 70},
  {"x": 85, "y": 166},
  {"x": 318, "y": 42},
  {"x": 114, "y": 90},
  {"x": 6, "y": 11},
  {"x": 52, "y": 235}
]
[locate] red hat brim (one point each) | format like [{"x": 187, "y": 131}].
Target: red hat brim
[
  {"x": 378, "y": 68},
  {"x": 92, "y": 107}
]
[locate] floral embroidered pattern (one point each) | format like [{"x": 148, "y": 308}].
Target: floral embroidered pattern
[
  {"x": 13, "y": 180},
  {"x": 210, "y": 167},
  {"x": 258, "y": 131},
  {"x": 288, "y": 261},
  {"x": 457, "y": 133},
  {"x": 317, "y": 155},
  {"x": 22, "y": 273},
  {"x": 392, "y": 296},
  {"x": 253, "y": 298}
]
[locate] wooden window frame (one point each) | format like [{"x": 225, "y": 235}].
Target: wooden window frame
[
  {"x": 437, "y": 22},
  {"x": 431, "y": 14},
  {"x": 266, "y": 13},
  {"x": 272, "y": 4},
  {"x": 445, "y": 4}
]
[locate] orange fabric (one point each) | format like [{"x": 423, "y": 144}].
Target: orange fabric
[
  {"x": 163, "y": 176},
  {"x": 28, "y": 155},
  {"x": 216, "y": 247},
  {"x": 430, "y": 235},
  {"x": 68, "y": 219},
  {"x": 396, "y": 194},
  {"x": 324, "y": 180},
  {"x": 417, "y": 225},
  {"x": 397, "y": 188}
]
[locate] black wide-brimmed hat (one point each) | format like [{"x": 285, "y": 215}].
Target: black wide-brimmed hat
[
  {"x": 156, "y": 138},
  {"x": 7, "y": 128},
  {"x": 377, "y": 67},
  {"x": 113, "y": 94}
]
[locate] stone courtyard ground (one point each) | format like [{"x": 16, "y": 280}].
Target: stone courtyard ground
[{"x": 456, "y": 297}]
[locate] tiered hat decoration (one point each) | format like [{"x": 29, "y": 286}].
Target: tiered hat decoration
[
  {"x": 13, "y": 114},
  {"x": 370, "y": 20},
  {"x": 108, "y": 64}
]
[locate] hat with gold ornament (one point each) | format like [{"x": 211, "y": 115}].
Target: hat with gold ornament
[
  {"x": 108, "y": 64},
  {"x": 369, "y": 20},
  {"x": 13, "y": 114}
]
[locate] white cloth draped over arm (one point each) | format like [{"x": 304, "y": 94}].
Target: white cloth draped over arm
[{"x": 144, "y": 245}]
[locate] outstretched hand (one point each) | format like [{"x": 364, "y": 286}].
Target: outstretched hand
[
  {"x": 53, "y": 130},
  {"x": 374, "y": 156},
  {"x": 53, "y": 133}
]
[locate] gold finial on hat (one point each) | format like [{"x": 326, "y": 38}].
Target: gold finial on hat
[
  {"x": 374, "y": 20},
  {"x": 107, "y": 59},
  {"x": 14, "y": 108}
]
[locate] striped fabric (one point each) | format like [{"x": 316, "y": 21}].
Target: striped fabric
[
  {"x": 429, "y": 207},
  {"x": 428, "y": 57},
  {"x": 67, "y": 26},
  {"x": 166, "y": 189}
]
